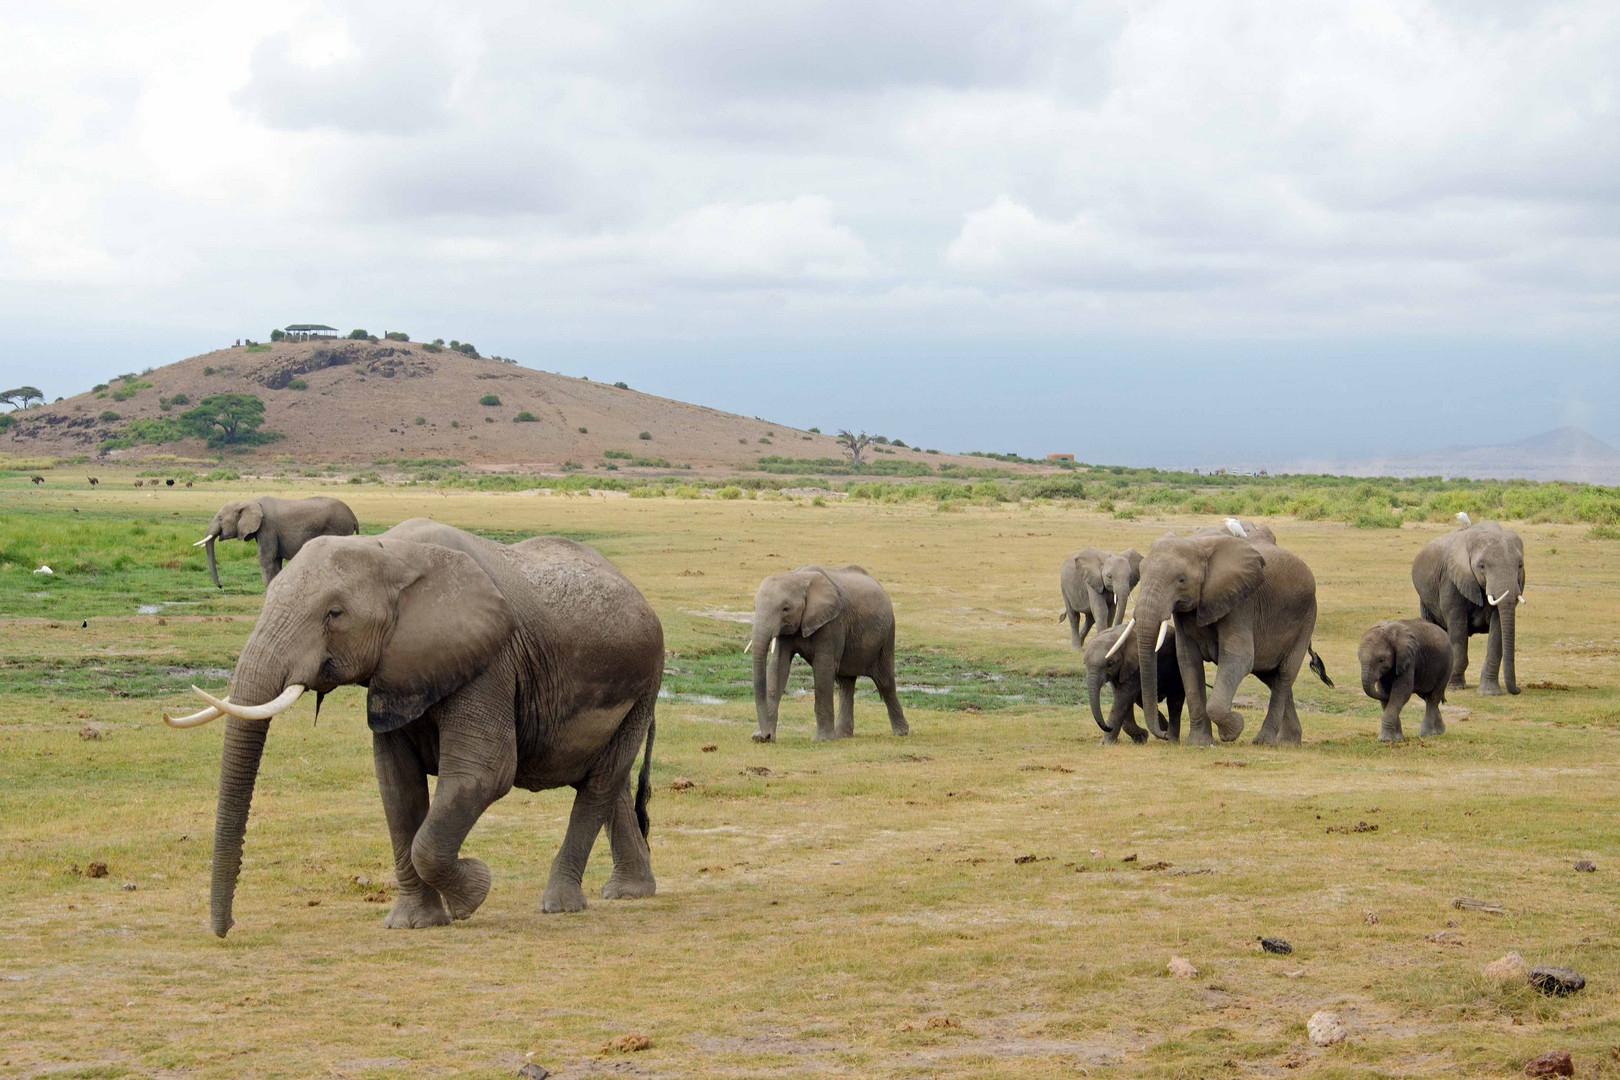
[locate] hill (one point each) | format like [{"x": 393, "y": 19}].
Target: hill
[
  {"x": 1565, "y": 453},
  {"x": 361, "y": 402}
]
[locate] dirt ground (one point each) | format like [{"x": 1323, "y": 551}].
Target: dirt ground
[{"x": 997, "y": 895}]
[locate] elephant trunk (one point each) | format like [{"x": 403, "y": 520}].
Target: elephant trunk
[
  {"x": 1152, "y": 608},
  {"x": 213, "y": 568},
  {"x": 1121, "y": 598},
  {"x": 1507, "y": 612},
  {"x": 1094, "y": 681},
  {"x": 767, "y": 695},
  {"x": 1370, "y": 686}
]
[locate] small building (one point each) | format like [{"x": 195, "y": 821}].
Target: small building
[
  {"x": 1059, "y": 457},
  {"x": 306, "y": 331}
]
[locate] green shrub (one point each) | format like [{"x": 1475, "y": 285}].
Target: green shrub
[
  {"x": 297, "y": 384},
  {"x": 359, "y": 335},
  {"x": 430, "y": 347},
  {"x": 525, "y": 417},
  {"x": 208, "y": 371},
  {"x": 225, "y": 475},
  {"x": 764, "y": 440},
  {"x": 489, "y": 419},
  {"x": 420, "y": 421},
  {"x": 100, "y": 386},
  {"x": 455, "y": 423},
  {"x": 1603, "y": 532},
  {"x": 6, "y": 420},
  {"x": 815, "y": 431},
  {"x": 610, "y": 467},
  {"x": 619, "y": 454},
  {"x": 645, "y": 436},
  {"x": 622, "y": 385},
  {"x": 582, "y": 431},
  {"x": 108, "y": 416},
  {"x": 277, "y": 335},
  {"x": 365, "y": 478},
  {"x": 397, "y": 335},
  {"x": 730, "y": 491},
  {"x": 489, "y": 399},
  {"x": 254, "y": 346},
  {"x": 571, "y": 466}
]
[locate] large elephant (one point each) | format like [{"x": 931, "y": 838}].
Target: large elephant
[
  {"x": 1471, "y": 581},
  {"x": 1248, "y": 606},
  {"x": 1400, "y": 658},
  {"x": 1111, "y": 661},
  {"x": 841, "y": 621},
  {"x": 536, "y": 665},
  {"x": 1249, "y": 530},
  {"x": 280, "y": 528},
  {"x": 1096, "y": 585}
]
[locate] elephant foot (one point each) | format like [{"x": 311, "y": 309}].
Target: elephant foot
[
  {"x": 1513, "y": 688},
  {"x": 416, "y": 911},
  {"x": 562, "y": 897},
  {"x": 903, "y": 728},
  {"x": 1139, "y": 737},
  {"x": 468, "y": 891},
  {"x": 1200, "y": 736},
  {"x": 1230, "y": 726},
  {"x": 1429, "y": 732},
  {"x": 844, "y": 732},
  {"x": 1490, "y": 688},
  {"x": 763, "y": 736},
  {"x": 1392, "y": 736},
  {"x": 823, "y": 735},
  {"x": 628, "y": 886},
  {"x": 1457, "y": 683}
]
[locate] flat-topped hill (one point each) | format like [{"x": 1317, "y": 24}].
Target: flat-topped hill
[{"x": 358, "y": 402}]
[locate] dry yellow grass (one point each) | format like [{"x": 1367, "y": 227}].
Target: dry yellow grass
[{"x": 811, "y": 920}]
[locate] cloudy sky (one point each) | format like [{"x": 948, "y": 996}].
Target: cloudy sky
[{"x": 1155, "y": 231}]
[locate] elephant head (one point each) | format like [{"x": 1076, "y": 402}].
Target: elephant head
[
  {"x": 235, "y": 521},
  {"x": 800, "y": 602},
  {"x": 1109, "y": 660},
  {"x": 412, "y": 622},
  {"x": 1486, "y": 565},
  {"x": 1105, "y": 572},
  {"x": 1385, "y": 649},
  {"x": 1204, "y": 577}
]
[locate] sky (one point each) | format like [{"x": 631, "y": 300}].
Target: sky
[{"x": 1149, "y": 232}]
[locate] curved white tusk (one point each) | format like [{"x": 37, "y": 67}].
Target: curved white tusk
[
  {"x": 1164, "y": 628},
  {"x": 254, "y": 712},
  {"x": 1494, "y": 600},
  {"x": 1521, "y": 598},
  {"x": 1120, "y": 644},
  {"x": 196, "y": 719},
  {"x": 748, "y": 648},
  {"x": 773, "y": 647},
  {"x": 203, "y": 541}
]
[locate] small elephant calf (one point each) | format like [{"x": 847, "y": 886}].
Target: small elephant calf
[
  {"x": 1114, "y": 664},
  {"x": 1401, "y": 658}
]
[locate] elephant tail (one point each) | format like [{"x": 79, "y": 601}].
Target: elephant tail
[
  {"x": 1318, "y": 667},
  {"x": 644, "y": 784}
]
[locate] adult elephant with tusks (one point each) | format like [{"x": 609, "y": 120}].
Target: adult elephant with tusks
[
  {"x": 1246, "y": 605},
  {"x": 1471, "y": 581},
  {"x": 280, "y": 528},
  {"x": 842, "y": 622},
  {"x": 535, "y": 665}
]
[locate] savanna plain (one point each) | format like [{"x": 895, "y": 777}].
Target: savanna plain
[{"x": 996, "y": 895}]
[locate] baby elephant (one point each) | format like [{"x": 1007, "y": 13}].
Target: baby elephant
[
  {"x": 1401, "y": 658},
  {"x": 840, "y": 620},
  {"x": 1111, "y": 662}
]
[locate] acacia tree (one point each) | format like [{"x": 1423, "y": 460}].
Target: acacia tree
[
  {"x": 19, "y": 397},
  {"x": 235, "y": 416},
  {"x": 853, "y": 445}
]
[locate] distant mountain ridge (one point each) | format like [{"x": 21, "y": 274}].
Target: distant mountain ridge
[{"x": 1566, "y": 453}]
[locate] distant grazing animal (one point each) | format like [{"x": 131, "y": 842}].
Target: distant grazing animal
[
  {"x": 1401, "y": 658},
  {"x": 38, "y": 480},
  {"x": 93, "y": 480},
  {"x": 280, "y": 527},
  {"x": 533, "y": 665},
  {"x": 841, "y": 621},
  {"x": 188, "y": 483},
  {"x": 169, "y": 482},
  {"x": 1096, "y": 585},
  {"x": 1471, "y": 581},
  {"x": 140, "y": 483}
]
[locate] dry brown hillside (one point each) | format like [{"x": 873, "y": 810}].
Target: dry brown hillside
[{"x": 363, "y": 401}]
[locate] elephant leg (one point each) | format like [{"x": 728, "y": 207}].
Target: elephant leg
[
  {"x": 466, "y": 789},
  {"x": 1456, "y": 624},
  {"x": 1236, "y": 661},
  {"x": 1136, "y": 732},
  {"x": 1192, "y": 683},
  {"x": 1089, "y": 621},
  {"x": 844, "y": 722},
  {"x": 1076, "y": 642},
  {"x": 883, "y": 679},
  {"x": 1281, "y": 726},
  {"x": 1433, "y": 724},
  {"x": 632, "y": 876},
  {"x": 596, "y": 800},
  {"x": 1400, "y": 692},
  {"x": 1174, "y": 704},
  {"x": 1120, "y": 714},
  {"x": 824, "y": 668},
  {"x": 402, "y": 778},
  {"x": 269, "y": 564},
  {"x": 1490, "y": 684}
]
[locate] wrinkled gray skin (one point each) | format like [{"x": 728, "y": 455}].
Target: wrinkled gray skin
[
  {"x": 1121, "y": 673},
  {"x": 534, "y": 665},
  {"x": 841, "y": 621},
  {"x": 1096, "y": 585},
  {"x": 1248, "y": 606},
  {"x": 1401, "y": 658},
  {"x": 1252, "y": 531},
  {"x": 1457, "y": 576},
  {"x": 280, "y": 527}
]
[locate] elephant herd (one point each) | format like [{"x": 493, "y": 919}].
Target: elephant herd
[
  {"x": 1229, "y": 595},
  {"x": 538, "y": 665}
]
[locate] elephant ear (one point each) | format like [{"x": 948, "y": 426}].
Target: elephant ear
[
  {"x": 1134, "y": 557},
  {"x": 1090, "y": 561},
  {"x": 252, "y": 517},
  {"x": 823, "y": 602},
  {"x": 1460, "y": 571},
  {"x": 1233, "y": 570},
  {"x": 1405, "y": 644},
  {"x": 449, "y": 622}
]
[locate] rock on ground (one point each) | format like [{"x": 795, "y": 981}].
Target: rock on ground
[
  {"x": 1326, "y": 1028},
  {"x": 1556, "y": 980},
  {"x": 1552, "y": 1063},
  {"x": 1510, "y": 967},
  {"x": 1181, "y": 968},
  {"x": 531, "y": 1071}
]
